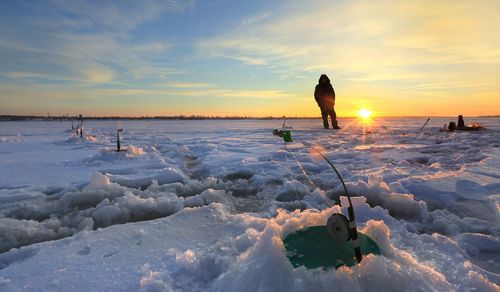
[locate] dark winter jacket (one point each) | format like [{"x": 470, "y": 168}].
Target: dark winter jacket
[
  {"x": 324, "y": 93},
  {"x": 461, "y": 123}
]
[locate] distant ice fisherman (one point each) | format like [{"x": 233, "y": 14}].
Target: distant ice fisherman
[
  {"x": 325, "y": 97},
  {"x": 460, "y": 126}
]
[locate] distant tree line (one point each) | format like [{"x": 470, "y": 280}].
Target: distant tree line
[{"x": 177, "y": 117}]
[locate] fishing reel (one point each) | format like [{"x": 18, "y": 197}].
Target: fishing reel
[
  {"x": 285, "y": 134},
  {"x": 338, "y": 228},
  {"x": 342, "y": 229}
]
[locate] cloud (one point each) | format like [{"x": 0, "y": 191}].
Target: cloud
[
  {"x": 117, "y": 15},
  {"x": 253, "y": 19},
  {"x": 153, "y": 47},
  {"x": 190, "y": 91},
  {"x": 86, "y": 41},
  {"x": 188, "y": 85},
  {"x": 99, "y": 75},
  {"x": 366, "y": 36},
  {"x": 47, "y": 93},
  {"x": 244, "y": 59},
  {"x": 24, "y": 75}
]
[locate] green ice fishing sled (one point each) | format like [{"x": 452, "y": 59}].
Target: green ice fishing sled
[{"x": 313, "y": 247}]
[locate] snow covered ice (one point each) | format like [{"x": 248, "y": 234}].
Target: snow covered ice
[{"x": 205, "y": 205}]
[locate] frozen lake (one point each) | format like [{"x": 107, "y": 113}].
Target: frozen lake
[{"x": 204, "y": 205}]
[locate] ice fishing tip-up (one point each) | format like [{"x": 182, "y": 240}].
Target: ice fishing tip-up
[{"x": 285, "y": 134}]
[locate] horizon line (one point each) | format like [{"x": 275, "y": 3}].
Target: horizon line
[{"x": 200, "y": 117}]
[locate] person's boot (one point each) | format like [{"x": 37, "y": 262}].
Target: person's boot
[
  {"x": 325, "y": 124},
  {"x": 335, "y": 125}
]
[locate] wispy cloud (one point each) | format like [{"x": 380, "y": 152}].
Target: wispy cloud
[
  {"x": 187, "y": 85},
  {"x": 40, "y": 92},
  {"x": 24, "y": 75},
  {"x": 99, "y": 75},
  {"x": 194, "y": 92},
  {"x": 253, "y": 19},
  {"x": 113, "y": 15},
  {"x": 367, "y": 36},
  {"x": 90, "y": 41},
  {"x": 244, "y": 59}
]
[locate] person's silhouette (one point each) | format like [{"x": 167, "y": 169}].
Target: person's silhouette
[
  {"x": 461, "y": 123},
  {"x": 325, "y": 97}
]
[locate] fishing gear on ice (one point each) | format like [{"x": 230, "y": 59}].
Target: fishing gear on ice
[
  {"x": 335, "y": 244},
  {"x": 118, "y": 145},
  {"x": 79, "y": 128},
  {"x": 285, "y": 134}
]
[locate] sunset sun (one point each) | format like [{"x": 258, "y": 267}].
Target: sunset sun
[{"x": 364, "y": 114}]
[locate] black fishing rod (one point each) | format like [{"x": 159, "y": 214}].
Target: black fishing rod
[
  {"x": 118, "y": 145},
  {"x": 79, "y": 129},
  {"x": 425, "y": 124},
  {"x": 337, "y": 222}
]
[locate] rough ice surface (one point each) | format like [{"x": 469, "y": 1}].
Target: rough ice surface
[{"x": 205, "y": 205}]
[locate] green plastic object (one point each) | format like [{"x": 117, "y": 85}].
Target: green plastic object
[
  {"x": 287, "y": 136},
  {"x": 313, "y": 248}
]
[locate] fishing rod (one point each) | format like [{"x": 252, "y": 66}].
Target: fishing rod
[
  {"x": 340, "y": 228},
  {"x": 425, "y": 124},
  {"x": 337, "y": 223},
  {"x": 118, "y": 145},
  {"x": 81, "y": 126}
]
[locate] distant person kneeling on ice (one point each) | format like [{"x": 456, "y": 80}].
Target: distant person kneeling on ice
[
  {"x": 325, "y": 97},
  {"x": 461, "y": 123},
  {"x": 460, "y": 126}
]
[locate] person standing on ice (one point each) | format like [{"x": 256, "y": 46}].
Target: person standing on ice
[{"x": 325, "y": 97}]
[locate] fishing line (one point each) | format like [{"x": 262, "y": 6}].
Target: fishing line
[
  {"x": 287, "y": 137},
  {"x": 291, "y": 174},
  {"x": 322, "y": 194}
]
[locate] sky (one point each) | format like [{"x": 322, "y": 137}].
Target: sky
[{"x": 249, "y": 58}]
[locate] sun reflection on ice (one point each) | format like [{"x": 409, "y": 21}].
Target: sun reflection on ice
[{"x": 365, "y": 119}]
